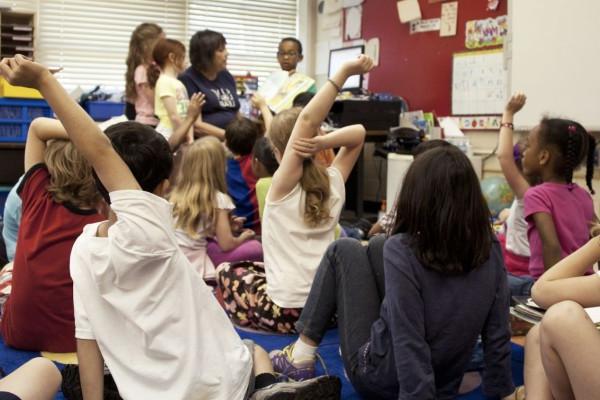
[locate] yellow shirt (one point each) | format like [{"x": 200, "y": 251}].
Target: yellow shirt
[{"x": 167, "y": 86}]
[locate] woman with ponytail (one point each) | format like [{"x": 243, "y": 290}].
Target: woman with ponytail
[{"x": 302, "y": 209}]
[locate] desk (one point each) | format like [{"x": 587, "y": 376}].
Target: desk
[
  {"x": 11, "y": 162},
  {"x": 355, "y": 185}
]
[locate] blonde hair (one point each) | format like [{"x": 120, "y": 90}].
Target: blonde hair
[
  {"x": 201, "y": 177},
  {"x": 71, "y": 179},
  {"x": 314, "y": 180},
  {"x": 141, "y": 44}
]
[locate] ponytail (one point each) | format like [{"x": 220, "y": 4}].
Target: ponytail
[
  {"x": 315, "y": 183},
  {"x": 589, "y": 167},
  {"x": 153, "y": 74}
]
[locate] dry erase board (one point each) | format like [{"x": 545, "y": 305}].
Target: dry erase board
[{"x": 478, "y": 83}]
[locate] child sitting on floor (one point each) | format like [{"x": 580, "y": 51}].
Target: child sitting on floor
[
  {"x": 140, "y": 307},
  {"x": 411, "y": 334},
  {"x": 240, "y": 135},
  {"x": 302, "y": 210},
  {"x": 59, "y": 198},
  {"x": 203, "y": 209}
]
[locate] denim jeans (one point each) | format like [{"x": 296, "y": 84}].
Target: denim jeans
[
  {"x": 349, "y": 282},
  {"x": 520, "y": 285}
]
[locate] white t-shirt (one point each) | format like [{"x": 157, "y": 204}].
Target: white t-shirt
[
  {"x": 195, "y": 248},
  {"x": 158, "y": 326},
  {"x": 516, "y": 230},
  {"x": 292, "y": 249}
]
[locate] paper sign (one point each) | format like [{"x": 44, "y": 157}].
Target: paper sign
[
  {"x": 480, "y": 123},
  {"x": 372, "y": 50},
  {"x": 408, "y": 10},
  {"x": 486, "y": 32},
  {"x": 331, "y": 6},
  {"x": 449, "y": 17},
  {"x": 424, "y": 25},
  {"x": 353, "y": 23},
  {"x": 450, "y": 127}
]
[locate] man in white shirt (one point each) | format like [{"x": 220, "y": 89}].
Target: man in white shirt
[{"x": 139, "y": 305}]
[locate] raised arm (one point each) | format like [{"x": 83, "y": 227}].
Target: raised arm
[
  {"x": 82, "y": 130},
  {"x": 41, "y": 130},
  {"x": 566, "y": 280},
  {"x": 309, "y": 122},
  {"x": 260, "y": 103},
  {"x": 505, "y": 155}
]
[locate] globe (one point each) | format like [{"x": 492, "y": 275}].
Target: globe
[{"x": 497, "y": 193}]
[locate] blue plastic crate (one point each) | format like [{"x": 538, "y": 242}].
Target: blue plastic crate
[
  {"x": 103, "y": 110},
  {"x": 17, "y": 114}
]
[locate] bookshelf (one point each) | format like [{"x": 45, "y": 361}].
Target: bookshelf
[{"x": 16, "y": 33}]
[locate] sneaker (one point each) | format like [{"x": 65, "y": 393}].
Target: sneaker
[
  {"x": 297, "y": 370},
  {"x": 322, "y": 388}
]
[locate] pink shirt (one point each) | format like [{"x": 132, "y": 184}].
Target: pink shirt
[
  {"x": 572, "y": 211},
  {"x": 144, "y": 105}
]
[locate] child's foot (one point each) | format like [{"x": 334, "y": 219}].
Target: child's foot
[
  {"x": 323, "y": 388},
  {"x": 295, "y": 369}
]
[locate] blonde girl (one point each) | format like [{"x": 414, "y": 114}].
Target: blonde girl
[
  {"x": 202, "y": 209},
  {"x": 302, "y": 209},
  {"x": 137, "y": 89}
]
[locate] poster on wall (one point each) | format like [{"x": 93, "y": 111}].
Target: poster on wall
[
  {"x": 486, "y": 32},
  {"x": 353, "y": 23}
]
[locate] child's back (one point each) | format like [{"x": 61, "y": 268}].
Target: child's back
[{"x": 38, "y": 314}]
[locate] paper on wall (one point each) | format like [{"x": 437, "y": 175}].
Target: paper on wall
[
  {"x": 424, "y": 25},
  {"x": 331, "y": 6},
  {"x": 330, "y": 21},
  {"x": 351, "y": 3},
  {"x": 353, "y": 23},
  {"x": 450, "y": 127},
  {"x": 408, "y": 10},
  {"x": 449, "y": 19},
  {"x": 372, "y": 50}
]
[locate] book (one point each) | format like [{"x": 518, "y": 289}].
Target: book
[{"x": 527, "y": 310}]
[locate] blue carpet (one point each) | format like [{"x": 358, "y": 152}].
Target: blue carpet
[
  {"x": 329, "y": 351},
  {"x": 11, "y": 359}
]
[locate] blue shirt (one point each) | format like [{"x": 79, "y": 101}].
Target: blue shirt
[
  {"x": 422, "y": 342},
  {"x": 12, "y": 220},
  {"x": 222, "y": 103}
]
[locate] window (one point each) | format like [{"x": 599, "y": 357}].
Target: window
[
  {"x": 252, "y": 29},
  {"x": 90, "y": 38}
]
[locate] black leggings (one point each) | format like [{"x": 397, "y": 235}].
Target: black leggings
[{"x": 8, "y": 396}]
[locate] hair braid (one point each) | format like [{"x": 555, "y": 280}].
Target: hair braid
[
  {"x": 589, "y": 168},
  {"x": 570, "y": 157}
]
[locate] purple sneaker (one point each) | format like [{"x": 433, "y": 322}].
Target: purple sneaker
[{"x": 297, "y": 370}]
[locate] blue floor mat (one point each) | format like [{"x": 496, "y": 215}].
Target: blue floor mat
[
  {"x": 329, "y": 351},
  {"x": 11, "y": 359}
]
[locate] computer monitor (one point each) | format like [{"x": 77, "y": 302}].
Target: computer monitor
[{"x": 339, "y": 56}]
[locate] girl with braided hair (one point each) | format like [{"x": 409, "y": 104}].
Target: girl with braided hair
[{"x": 559, "y": 213}]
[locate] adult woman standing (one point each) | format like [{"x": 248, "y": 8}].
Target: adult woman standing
[{"x": 208, "y": 74}]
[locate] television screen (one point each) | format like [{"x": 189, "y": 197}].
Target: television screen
[{"x": 339, "y": 56}]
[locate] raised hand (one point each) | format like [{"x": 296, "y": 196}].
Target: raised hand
[
  {"x": 196, "y": 103},
  {"x": 516, "y": 103},
  {"x": 361, "y": 65},
  {"x": 258, "y": 101},
  {"x": 21, "y": 71},
  {"x": 307, "y": 147}
]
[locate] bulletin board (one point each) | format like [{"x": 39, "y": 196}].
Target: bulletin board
[
  {"x": 478, "y": 83},
  {"x": 418, "y": 67}
]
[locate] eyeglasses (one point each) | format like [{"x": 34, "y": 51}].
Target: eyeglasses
[{"x": 283, "y": 54}]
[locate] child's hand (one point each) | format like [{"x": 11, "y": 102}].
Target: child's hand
[
  {"x": 20, "y": 71},
  {"x": 307, "y": 147},
  {"x": 258, "y": 101},
  {"x": 361, "y": 65},
  {"x": 236, "y": 223},
  {"x": 195, "y": 107},
  {"x": 247, "y": 234},
  {"x": 516, "y": 103}
]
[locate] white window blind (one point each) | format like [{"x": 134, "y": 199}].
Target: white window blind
[
  {"x": 90, "y": 39},
  {"x": 252, "y": 29}
]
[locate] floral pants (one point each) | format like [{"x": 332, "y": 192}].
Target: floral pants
[{"x": 244, "y": 289}]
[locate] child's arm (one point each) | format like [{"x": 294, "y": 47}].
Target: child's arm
[
  {"x": 348, "y": 139},
  {"x": 505, "y": 155},
  {"x": 202, "y": 128},
  {"x": 565, "y": 280},
  {"x": 170, "y": 103},
  {"x": 91, "y": 369},
  {"x": 308, "y": 123},
  {"x": 40, "y": 132},
  {"x": 225, "y": 238},
  {"x": 260, "y": 103},
  {"x": 87, "y": 137},
  {"x": 179, "y": 135},
  {"x": 550, "y": 245}
]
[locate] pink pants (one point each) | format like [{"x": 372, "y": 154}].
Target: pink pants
[{"x": 250, "y": 250}]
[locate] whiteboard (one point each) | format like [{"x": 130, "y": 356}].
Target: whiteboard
[
  {"x": 478, "y": 83},
  {"x": 553, "y": 55}
]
